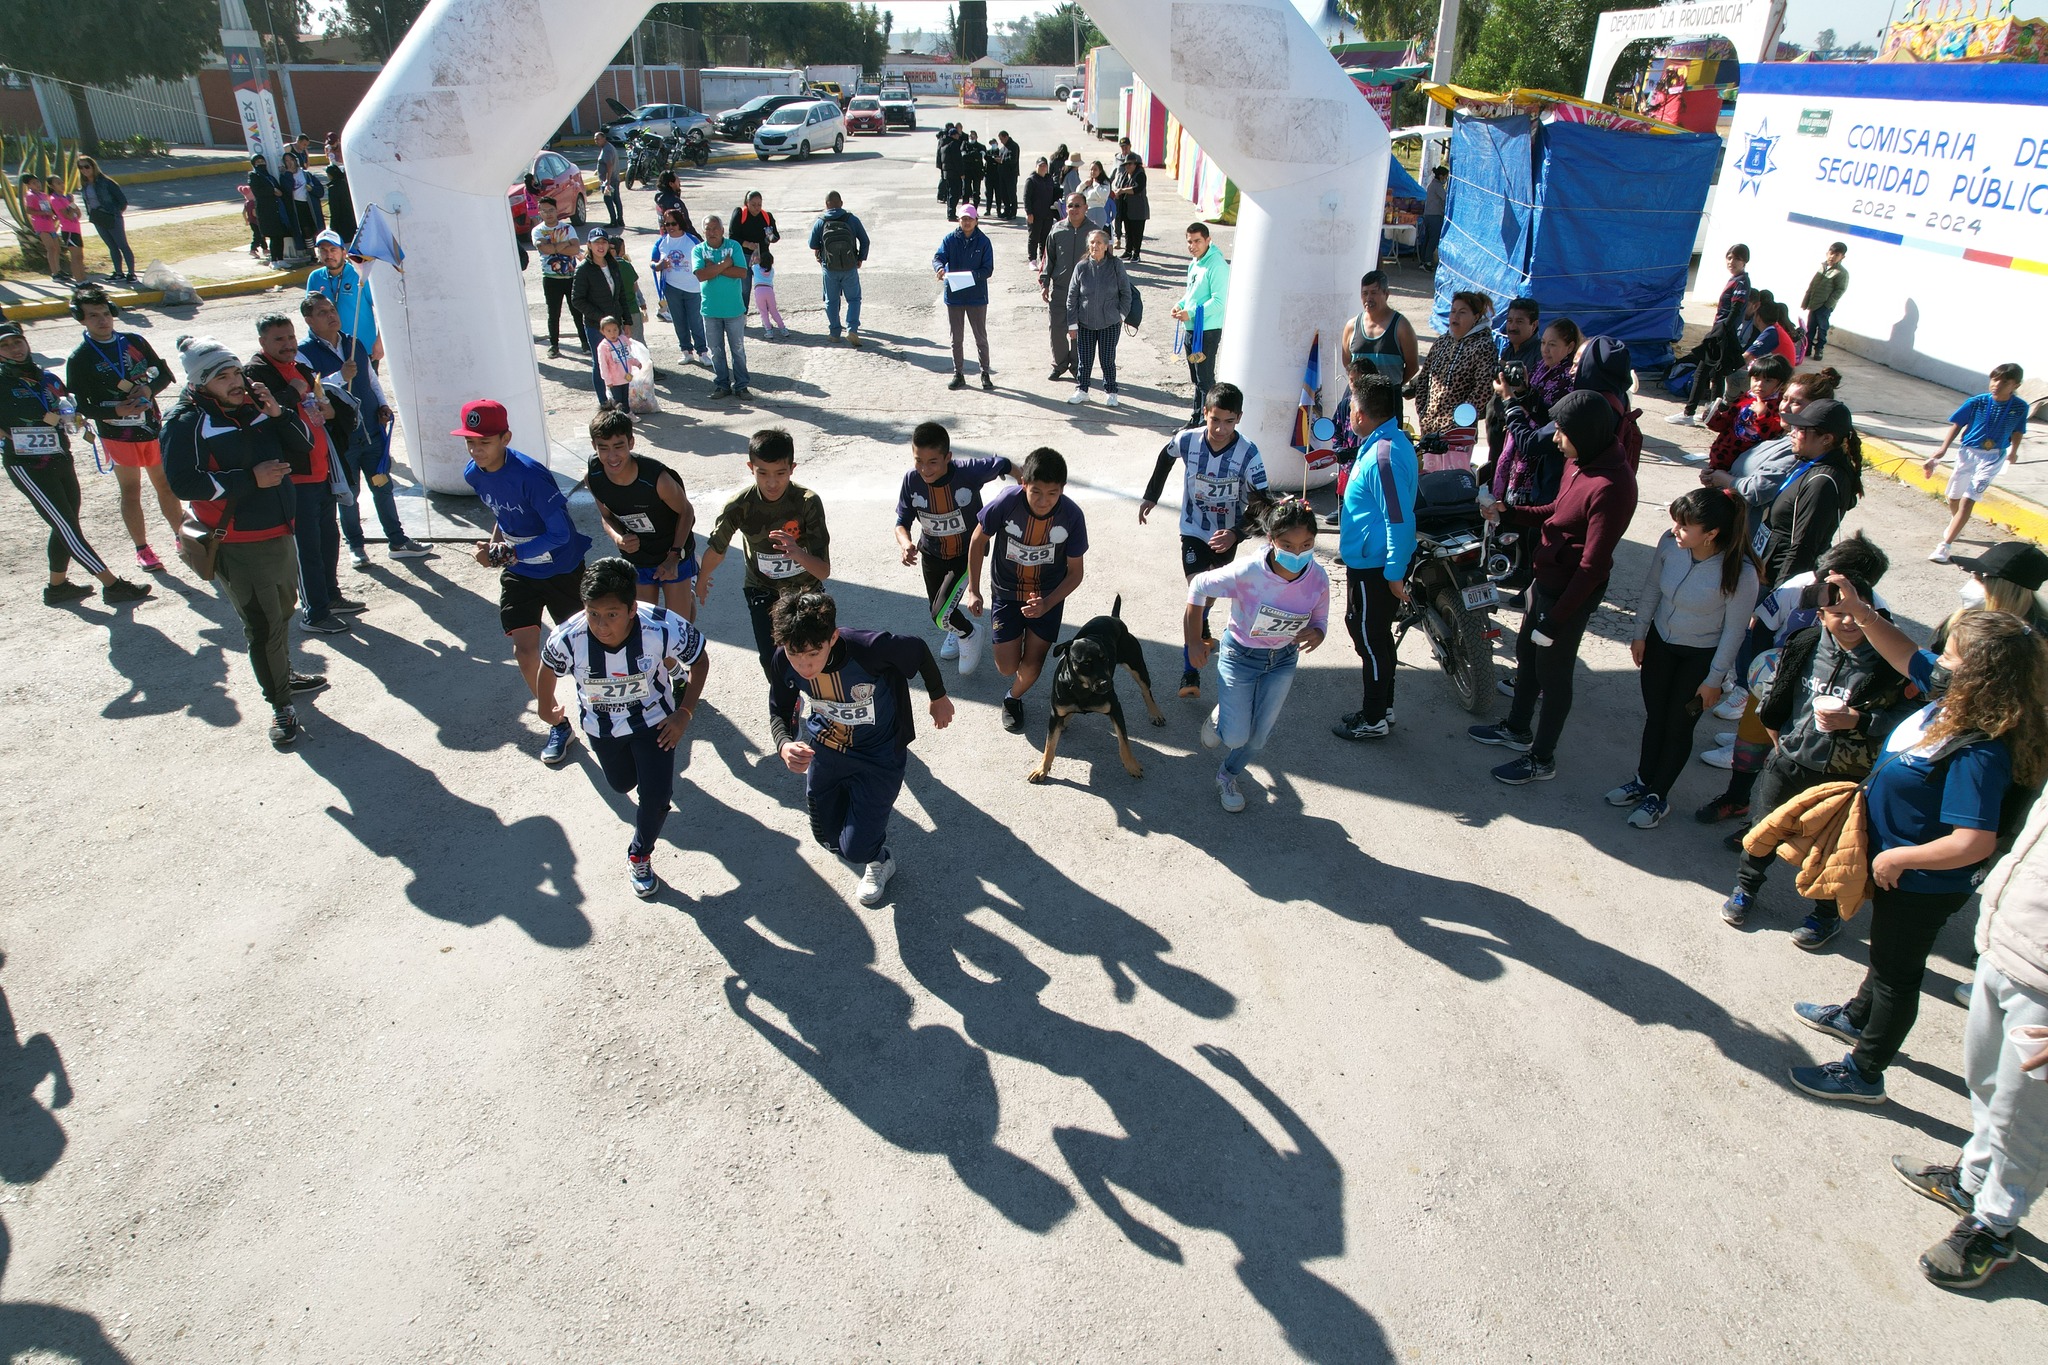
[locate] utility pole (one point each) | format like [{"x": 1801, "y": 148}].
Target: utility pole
[
  {"x": 639, "y": 70},
  {"x": 1440, "y": 72},
  {"x": 1074, "y": 16}
]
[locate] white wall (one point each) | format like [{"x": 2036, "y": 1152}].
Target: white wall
[{"x": 1912, "y": 167}]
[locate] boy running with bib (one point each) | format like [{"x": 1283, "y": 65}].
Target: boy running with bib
[
  {"x": 853, "y": 735},
  {"x": 782, "y": 532},
  {"x": 1991, "y": 425},
  {"x": 624, "y": 656},
  {"x": 1223, "y": 475},
  {"x": 1039, "y": 539},
  {"x": 646, "y": 512},
  {"x": 942, "y": 495}
]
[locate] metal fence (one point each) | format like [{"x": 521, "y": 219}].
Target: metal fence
[
  {"x": 169, "y": 111},
  {"x": 663, "y": 44}
]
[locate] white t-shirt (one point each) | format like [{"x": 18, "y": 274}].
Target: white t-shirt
[{"x": 672, "y": 261}]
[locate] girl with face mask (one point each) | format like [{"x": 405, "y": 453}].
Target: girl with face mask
[{"x": 1279, "y": 607}]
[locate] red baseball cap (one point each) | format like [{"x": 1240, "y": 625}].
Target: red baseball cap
[{"x": 483, "y": 417}]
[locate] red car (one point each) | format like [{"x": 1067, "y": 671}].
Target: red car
[
  {"x": 864, "y": 115},
  {"x": 561, "y": 179}
]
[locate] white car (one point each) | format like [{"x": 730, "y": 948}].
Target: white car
[
  {"x": 1074, "y": 101},
  {"x": 797, "y": 130}
]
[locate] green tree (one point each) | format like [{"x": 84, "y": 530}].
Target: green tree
[
  {"x": 1382, "y": 21},
  {"x": 107, "y": 43},
  {"x": 969, "y": 29},
  {"x": 1826, "y": 41},
  {"x": 800, "y": 34},
  {"x": 377, "y": 27},
  {"x": 1539, "y": 44},
  {"x": 1048, "y": 39}
]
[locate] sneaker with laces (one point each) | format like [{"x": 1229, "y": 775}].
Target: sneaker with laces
[
  {"x": 1735, "y": 910},
  {"x": 347, "y": 606},
  {"x": 1968, "y": 1256},
  {"x": 409, "y": 549},
  {"x": 1837, "y": 1081},
  {"x": 358, "y": 558},
  {"x": 1939, "y": 555},
  {"x": 951, "y": 648},
  {"x": 1110, "y": 400},
  {"x": 1355, "y": 727},
  {"x": 1501, "y": 735},
  {"x": 121, "y": 590},
  {"x": 1681, "y": 419},
  {"x": 970, "y": 653},
  {"x": 329, "y": 624},
  {"x": 1505, "y": 684},
  {"x": 284, "y": 727},
  {"x": 1815, "y": 933},
  {"x": 959, "y": 381},
  {"x": 1013, "y": 715},
  {"x": 1724, "y": 739},
  {"x": 146, "y": 560},
  {"x": 1649, "y": 813},
  {"x": 874, "y": 879},
  {"x": 308, "y": 682},
  {"x": 1228, "y": 794},
  {"x": 1939, "y": 1183},
  {"x": 1212, "y": 738},
  {"x": 1628, "y": 793},
  {"x": 1832, "y": 1020},
  {"x": 1963, "y": 991},
  {"x": 641, "y": 872},
  {"x": 1524, "y": 770},
  {"x": 57, "y": 594},
  {"x": 1078, "y": 396},
  {"x": 1722, "y": 807},
  {"x": 1731, "y": 705},
  {"x": 1722, "y": 758},
  {"x": 556, "y": 750},
  {"x": 1190, "y": 683}
]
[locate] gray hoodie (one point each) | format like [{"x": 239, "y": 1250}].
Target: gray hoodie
[
  {"x": 2013, "y": 925},
  {"x": 1099, "y": 294}
]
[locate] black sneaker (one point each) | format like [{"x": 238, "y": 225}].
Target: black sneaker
[
  {"x": 988, "y": 381},
  {"x": 1968, "y": 1256},
  {"x": 346, "y": 606},
  {"x": 57, "y": 594},
  {"x": 1190, "y": 683},
  {"x": 308, "y": 682},
  {"x": 1013, "y": 715},
  {"x": 1501, "y": 735},
  {"x": 285, "y": 728},
  {"x": 554, "y": 353},
  {"x": 1937, "y": 1183},
  {"x": 329, "y": 624},
  {"x": 1722, "y": 807},
  {"x": 1354, "y": 727},
  {"x": 121, "y": 590},
  {"x": 1524, "y": 770},
  {"x": 959, "y": 381}
]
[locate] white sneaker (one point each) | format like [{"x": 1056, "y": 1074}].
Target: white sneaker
[
  {"x": 1212, "y": 738},
  {"x": 1724, "y": 739},
  {"x": 1723, "y": 758},
  {"x": 1940, "y": 555},
  {"x": 1228, "y": 794},
  {"x": 970, "y": 653},
  {"x": 1732, "y": 704},
  {"x": 1681, "y": 419},
  {"x": 874, "y": 877},
  {"x": 1109, "y": 400},
  {"x": 358, "y": 559},
  {"x": 950, "y": 649},
  {"x": 1078, "y": 396}
]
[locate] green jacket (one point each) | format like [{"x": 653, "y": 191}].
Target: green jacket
[
  {"x": 1208, "y": 288},
  {"x": 1826, "y": 288}
]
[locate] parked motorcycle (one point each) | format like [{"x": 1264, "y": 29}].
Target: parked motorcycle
[{"x": 1451, "y": 592}]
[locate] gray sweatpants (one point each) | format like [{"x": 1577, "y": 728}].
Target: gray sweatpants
[{"x": 2005, "y": 1163}]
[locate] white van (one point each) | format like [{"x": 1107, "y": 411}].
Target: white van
[{"x": 797, "y": 130}]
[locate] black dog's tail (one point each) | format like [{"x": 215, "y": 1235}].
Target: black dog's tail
[{"x": 1116, "y": 608}]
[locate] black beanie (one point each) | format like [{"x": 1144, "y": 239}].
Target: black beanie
[{"x": 1587, "y": 419}]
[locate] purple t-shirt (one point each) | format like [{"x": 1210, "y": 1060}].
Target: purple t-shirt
[
  {"x": 945, "y": 511},
  {"x": 1266, "y": 611},
  {"x": 1029, "y": 554}
]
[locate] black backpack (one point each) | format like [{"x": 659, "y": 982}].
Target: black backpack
[{"x": 841, "y": 247}]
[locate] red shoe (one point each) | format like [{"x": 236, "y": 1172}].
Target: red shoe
[{"x": 146, "y": 558}]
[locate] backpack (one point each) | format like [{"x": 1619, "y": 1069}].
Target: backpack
[{"x": 841, "y": 247}]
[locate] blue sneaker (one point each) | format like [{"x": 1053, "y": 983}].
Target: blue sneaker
[
  {"x": 557, "y": 748},
  {"x": 1735, "y": 910},
  {"x": 1524, "y": 770},
  {"x": 1815, "y": 933},
  {"x": 1628, "y": 793},
  {"x": 1649, "y": 813},
  {"x": 1501, "y": 735},
  {"x": 1838, "y": 1081},
  {"x": 1829, "y": 1019}
]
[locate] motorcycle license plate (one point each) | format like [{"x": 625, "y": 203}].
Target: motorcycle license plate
[{"x": 1480, "y": 595}]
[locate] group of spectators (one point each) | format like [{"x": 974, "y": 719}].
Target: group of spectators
[
  {"x": 54, "y": 209},
  {"x": 296, "y": 202}
]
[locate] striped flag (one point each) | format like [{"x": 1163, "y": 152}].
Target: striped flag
[{"x": 1311, "y": 405}]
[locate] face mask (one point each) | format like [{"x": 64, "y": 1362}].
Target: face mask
[
  {"x": 1938, "y": 679},
  {"x": 1972, "y": 592},
  {"x": 1294, "y": 563}
]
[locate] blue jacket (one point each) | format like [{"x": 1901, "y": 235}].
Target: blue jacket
[
  {"x": 1376, "y": 529},
  {"x": 533, "y": 516},
  {"x": 958, "y": 252}
]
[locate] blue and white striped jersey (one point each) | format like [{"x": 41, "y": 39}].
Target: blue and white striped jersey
[{"x": 631, "y": 687}]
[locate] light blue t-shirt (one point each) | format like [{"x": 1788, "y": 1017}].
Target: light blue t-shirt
[
  {"x": 1989, "y": 424},
  {"x": 722, "y": 295},
  {"x": 350, "y": 293}
]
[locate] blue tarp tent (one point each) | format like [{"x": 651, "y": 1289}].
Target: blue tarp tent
[
  {"x": 1595, "y": 223},
  {"x": 1400, "y": 184}
]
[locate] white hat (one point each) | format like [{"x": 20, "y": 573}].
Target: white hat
[{"x": 203, "y": 358}]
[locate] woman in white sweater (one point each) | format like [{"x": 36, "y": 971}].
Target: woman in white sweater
[{"x": 1696, "y": 600}]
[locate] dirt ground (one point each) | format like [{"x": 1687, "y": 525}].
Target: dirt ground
[{"x": 366, "y": 1052}]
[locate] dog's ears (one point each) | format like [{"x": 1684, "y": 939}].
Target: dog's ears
[{"x": 1059, "y": 651}]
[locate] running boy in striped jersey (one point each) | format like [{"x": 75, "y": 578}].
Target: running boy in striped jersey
[
  {"x": 853, "y": 737},
  {"x": 1224, "y": 474},
  {"x": 1039, "y": 539},
  {"x": 624, "y": 655},
  {"x": 943, "y": 495}
]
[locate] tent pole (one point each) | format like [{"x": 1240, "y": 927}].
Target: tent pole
[{"x": 1440, "y": 72}]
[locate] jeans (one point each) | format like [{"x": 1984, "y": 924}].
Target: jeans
[
  {"x": 959, "y": 319},
  {"x": 1251, "y": 687},
  {"x": 1780, "y": 780},
  {"x": 1816, "y": 329},
  {"x": 760, "y": 615},
  {"x": 556, "y": 291},
  {"x": 363, "y": 458},
  {"x": 319, "y": 544},
  {"x": 1426, "y": 241},
  {"x": 842, "y": 284},
  {"x": 637, "y": 763},
  {"x": 2005, "y": 1162},
  {"x": 686, "y": 310},
  {"x": 1671, "y": 679},
  {"x": 114, "y": 233},
  {"x": 1544, "y": 672},
  {"x": 1903, "y": 927},
  {"x": 1369, "y": 610},
  {"x": 728, "y": 335},
  {"x": 258, "y": 577},
  {"x": 591, "y": 338},
  {"x": 1094, "y": 340},
  {"x": 613, "y": 204},
  {"x": 1203, "y": 372},
  {"x": 850, "y": 799}
]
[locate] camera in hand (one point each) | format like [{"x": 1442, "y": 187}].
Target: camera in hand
[
  {"x": 1815, "y": 596},
  {"x": 1516, "y": 376}
]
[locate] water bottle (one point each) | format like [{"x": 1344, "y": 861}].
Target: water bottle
[{"x": 67, "y": 415}]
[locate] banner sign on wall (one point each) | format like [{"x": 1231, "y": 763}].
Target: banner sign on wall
[{"x": 1935, "y": 177}]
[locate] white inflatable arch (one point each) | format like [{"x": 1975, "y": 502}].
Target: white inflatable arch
[
  {"x": 1751, "y": 25},
  {"x": 478, "y": 84}
]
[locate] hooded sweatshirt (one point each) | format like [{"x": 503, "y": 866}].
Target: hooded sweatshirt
[
  {"x": 1575, "y": 549},
  {"x": 2013, "y": 925},
  {"x": 1802, "y": 519},
  {"x": 1605, "y": 369}
]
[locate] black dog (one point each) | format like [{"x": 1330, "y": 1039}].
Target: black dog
[{"x": 1086, "y": 681}]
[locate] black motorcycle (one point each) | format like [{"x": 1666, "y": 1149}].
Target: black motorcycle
[
  {"x": 1450, "y": 588},
  {"x": 646, "y": 158},
  {"x": 695, "y": 147}
]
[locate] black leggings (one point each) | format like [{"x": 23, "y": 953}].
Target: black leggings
[
  {"x": 1134, "y": 236},
  {"x": 1034, "y": 241},
  {"x": 1780, "y": 780},
  {"x": 1544, "y": 672},
  {"x": 1369, "y": 609},
  {"x": 936, "y": 570},
  {"x": 52, "y": 489},
  {"x": 1903, "y": 927},
  {"x": 1671, "y": 679},
  {"x": 637, "y": 763}
]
